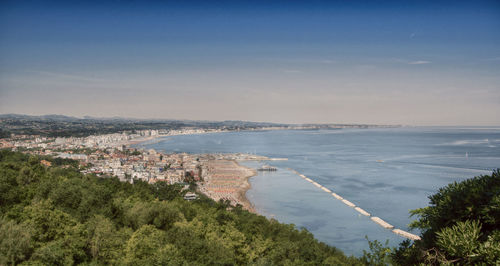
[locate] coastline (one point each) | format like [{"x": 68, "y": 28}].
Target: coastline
[
  {"x": 243, "y": 192},
  {"x": 298, "y": 127},
  {"x": 138, "y": 141},
  {"x": 150, "y": 138},
  {"x": 253, "y": 192},
  {"x": 227, "y": 180}
]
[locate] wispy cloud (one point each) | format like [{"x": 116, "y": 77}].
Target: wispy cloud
[
  {"x": 493, "y": 59},
  {"x": 291, "y": 71},
  {"x": 327, "y": 61},
  {"x": 299, "y": 60},
  {"x": 419, "y": 62},
  {"x": 67, "y": 76}
]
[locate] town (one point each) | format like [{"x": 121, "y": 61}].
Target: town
[
  {"x": 216, "y": 175},
  {"x": 109, "y": 148}
]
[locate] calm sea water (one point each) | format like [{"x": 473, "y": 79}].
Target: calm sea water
[{"x": 387, "y": 172}]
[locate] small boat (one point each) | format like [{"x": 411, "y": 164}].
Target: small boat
[{"x": 267, "y": 168}]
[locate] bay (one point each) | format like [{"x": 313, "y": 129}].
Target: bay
[{"x": 385, "y": 171}]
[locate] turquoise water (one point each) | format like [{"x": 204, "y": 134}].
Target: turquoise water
[{"x": 387, "y": 172}]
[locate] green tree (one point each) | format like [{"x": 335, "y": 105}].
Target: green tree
[
  {"x": 57, "y": 216},
  {"x": 148, "y": 246},
  {"x": 15, "y": 242},
  {"x": 104, "y": 242},
  {"x": 47, "y": 222},
  {"x": 379, "y": 255},
  {"x": 460, "y": 225}
]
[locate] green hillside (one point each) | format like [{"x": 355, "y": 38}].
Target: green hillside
[{"x": 58, "y": 216}]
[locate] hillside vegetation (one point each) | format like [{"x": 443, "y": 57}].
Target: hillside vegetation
[
  {"x": 57, "y": 216},
  {"x": 460, "y": 226}
]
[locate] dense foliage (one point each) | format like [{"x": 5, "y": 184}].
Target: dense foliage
[
  {"x": 461, "y": 225},
  {"x": 57, "y": 216},
  {"x": 4, "y": 133}
]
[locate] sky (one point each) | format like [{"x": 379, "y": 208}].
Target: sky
[{"x": 375, "y": 62}]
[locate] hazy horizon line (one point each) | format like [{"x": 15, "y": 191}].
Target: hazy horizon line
[{"x": 251, "y": 121}]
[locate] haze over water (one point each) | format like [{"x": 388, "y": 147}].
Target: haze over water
[{"x": 387, "y": 172}]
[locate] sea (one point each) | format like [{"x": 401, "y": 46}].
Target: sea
[{"x": 385, "y": 171}]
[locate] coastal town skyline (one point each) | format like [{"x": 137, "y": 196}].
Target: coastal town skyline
[{"x": 358, "y": 62}]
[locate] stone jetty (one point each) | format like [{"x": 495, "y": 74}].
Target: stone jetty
[{"x": 375, "y": 219}]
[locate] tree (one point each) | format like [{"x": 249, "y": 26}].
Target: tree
[
  {"x": 4, "y": 134},
  {"x": 148, "y": 246},
  {"x": 15, "y": 242},
  {"x": 58, "y": 216},
  {"x": 104, "y": 242},
  {"x": 164, "y": 191},
  {"x": 379, "y": 254},
  {"x": 48, "y": 223},
  {"x": 460, "y": 225}
]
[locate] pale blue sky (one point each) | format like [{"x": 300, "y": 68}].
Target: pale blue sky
[{"x": 419, "y": 63}]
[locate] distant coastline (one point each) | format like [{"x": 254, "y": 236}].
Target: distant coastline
[{"x": 67, "y": 126}]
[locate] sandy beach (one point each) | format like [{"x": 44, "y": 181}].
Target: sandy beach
[
  {"x": 227, "y": 180},
  {"x": 140, "y": 140}
]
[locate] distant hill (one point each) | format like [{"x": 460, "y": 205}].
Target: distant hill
[
  {"x": 64, "y": 126},
  {"x": 51, "y": 117},
  {"x": 64, "y": 118}
]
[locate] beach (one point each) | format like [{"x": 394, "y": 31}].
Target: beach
[
  {"x": 227, "y": 180},
  {"x": 347, "y": 162},
  {"x": 140, "y": 140},
  {"x": 223, "y": 178}
]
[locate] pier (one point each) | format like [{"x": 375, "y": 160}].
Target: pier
[
  {"x": 337, "y": 196},
  {"x": 405, "y": 234},
  {"x": 375, "y": 219},
  {"x": 365, "y": 213},
  {"x": 326, "y": 190},
  {"x": 348, "y": 203},
  {"x": 278, "y": 159},
  {"x": 382, "y": 223},
  {"x": 267, "y": 168}
]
